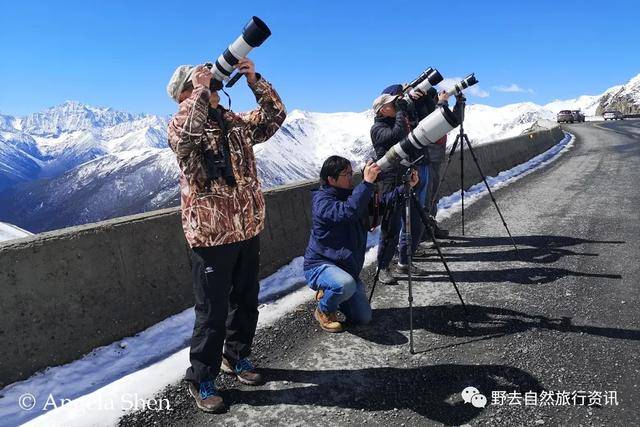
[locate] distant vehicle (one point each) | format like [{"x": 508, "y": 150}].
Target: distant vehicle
[
  {"x": 613, "y": 115},
  {"x": 565, "y": 116},
  {"x": 577, "y": 116}
]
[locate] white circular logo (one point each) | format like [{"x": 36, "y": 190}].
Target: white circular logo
[{"x": 27, "y": 401}]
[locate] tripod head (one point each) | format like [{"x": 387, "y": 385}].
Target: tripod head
[
  {"x": 406, "y": 176},
  {"x": 461, "y": 104}
]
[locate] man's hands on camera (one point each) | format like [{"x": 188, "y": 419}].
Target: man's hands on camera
[
  {"x": 201, "y": 76},
  {"x": 248, "y": 68},
  {"x": 443, "y": 96},
  {"x": 416, "y": 94},
  {"x": 371, "y": 172},
  {"x": 401, "y": 104}
]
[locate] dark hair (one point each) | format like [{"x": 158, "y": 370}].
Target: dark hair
[{"x": 332, "y": 168}]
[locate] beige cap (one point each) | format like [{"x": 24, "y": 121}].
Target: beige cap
[
  {"x": 383, "y": 99},
  {"x": 180, "y": 76}
]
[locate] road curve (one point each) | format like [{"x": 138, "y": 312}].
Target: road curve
[{"x": 561, "y": 315}]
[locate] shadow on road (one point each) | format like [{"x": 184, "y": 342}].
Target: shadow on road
[
  {"x": 481, "y": 323},
  {"x": 431, "y": 391},
  {"x": 537, "y": 249},
  {"x": 534, "y": 255},
  {"x": 536, "y": 241},
  {"x": 522, "y": 276}
]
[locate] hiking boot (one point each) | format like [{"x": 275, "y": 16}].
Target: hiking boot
[
  {"x": 244, "y": 371},
  {"x": 207, "y": 397},
  {"x": 328, "y": 321},
  {"x": 386, "y": 277},
  {"x": 421, "y": 252},
  {"x": 415, "y": 270},
  {"x": 319, "y": 295}
]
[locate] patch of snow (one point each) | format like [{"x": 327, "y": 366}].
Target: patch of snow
[
  {"x": 10, "y": 232},
  {"x": 102, "y": 383}
]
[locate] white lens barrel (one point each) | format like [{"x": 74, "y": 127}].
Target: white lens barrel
[
  {"x": 424, "y": 86},
  {"x": 432, "y": 128},
  {"x": 429, "y": 131},
  {"x": 240, "y": 48},
  {"x": 454, "y": 90},
  {"x": 219, "y": 75},
  {"x": 237, "y": 50}
]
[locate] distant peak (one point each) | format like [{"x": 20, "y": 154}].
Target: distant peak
[{"x": 635, "y": 80}]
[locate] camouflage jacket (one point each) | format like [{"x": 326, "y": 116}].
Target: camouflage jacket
[{"x": 214, "y": 213}]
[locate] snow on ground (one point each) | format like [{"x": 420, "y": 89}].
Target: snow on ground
[
  {"x": 114, "y": 379},
  {"x": 10, "y": 232},
  {"x": 450, "y": 204}
]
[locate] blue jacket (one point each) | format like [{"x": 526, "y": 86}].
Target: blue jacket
[{"x": 340, "y": 222}]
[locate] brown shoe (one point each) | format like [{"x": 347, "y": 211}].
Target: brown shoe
[
  {"x": 328, "y": 321},
  {"x": 319, "y": 295},
  {"x": 211, "y": 402},
  {"x": 244, "y": 371}
]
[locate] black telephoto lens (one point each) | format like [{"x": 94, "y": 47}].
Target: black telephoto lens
[
  {"x": 435, "y": 77},
  {"x": 421, "y": 77},
  {"x": 256, "y": 32}
]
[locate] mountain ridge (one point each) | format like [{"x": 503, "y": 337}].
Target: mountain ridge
[{"x": 75, "y": 163}]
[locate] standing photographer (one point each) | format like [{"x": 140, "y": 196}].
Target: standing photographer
[
  {"x": 437, "y": 154},
  {"x": 391, "y": 125},
  {"x": 222, "y": 215}
]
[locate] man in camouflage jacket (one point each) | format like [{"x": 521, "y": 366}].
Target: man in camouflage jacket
[{"x": 222, "y": 217}]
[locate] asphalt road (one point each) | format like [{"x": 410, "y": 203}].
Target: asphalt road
[{"x": 558, "y": 317}]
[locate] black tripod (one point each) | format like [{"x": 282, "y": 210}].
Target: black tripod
[
  {"x": 409, "y": 201},
  {"x": 461, "y": 138}
]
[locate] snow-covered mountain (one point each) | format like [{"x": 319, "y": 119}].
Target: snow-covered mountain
[
  {"x": 10, "y": 232},
  {"x": 74, "y": 163},
  {"x": 625, "y": 99},
  {"x": 72, "y": 116}
]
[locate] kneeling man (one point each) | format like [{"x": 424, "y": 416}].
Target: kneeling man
[{"x": 335, "y": 254}]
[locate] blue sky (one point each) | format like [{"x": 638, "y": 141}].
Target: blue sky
[{"x": 323, "y": 55}]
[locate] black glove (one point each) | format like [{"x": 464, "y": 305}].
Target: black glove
[
  {"x": 460, "y": 97},
  {"x": 401, "y": 104}
]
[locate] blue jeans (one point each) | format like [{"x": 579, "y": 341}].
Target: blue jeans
[
  {"x": 341, "y": 291},
  {"x": 422, "y": 188}
]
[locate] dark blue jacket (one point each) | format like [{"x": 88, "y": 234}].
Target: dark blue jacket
[{"x": 340, "y": 221}]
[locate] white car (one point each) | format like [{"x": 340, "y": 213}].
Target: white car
[{"x": 613, "y": 115}]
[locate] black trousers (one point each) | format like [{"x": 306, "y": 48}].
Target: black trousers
[{"x": 225, "y": 284}]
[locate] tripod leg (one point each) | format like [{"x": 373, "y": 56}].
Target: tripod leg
[
  {"x": 375, "y": 282},
  {"x": 409, "y": 249},
  {"x": 473, "y": 155},
  {"x": 424, "y": 218},
  {"x": 446, "y": 267},
  {"x": 462, "y": 180},
  {"x": 436, "y": 191}
]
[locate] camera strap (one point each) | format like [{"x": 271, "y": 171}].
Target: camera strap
[
  {"x": 228, "y": 176},
  {"x": 228, "y": 98}
]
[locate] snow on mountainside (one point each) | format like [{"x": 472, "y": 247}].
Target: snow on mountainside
[
  {"x": 74, "y": 163},
  {"x": 19, "y": 158},
  {"x": 72, "y": 116},
  {"x": 10, "y": 232},
  {"x": 625, "y": 99},
  {"x": 113, "y": 185}
]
